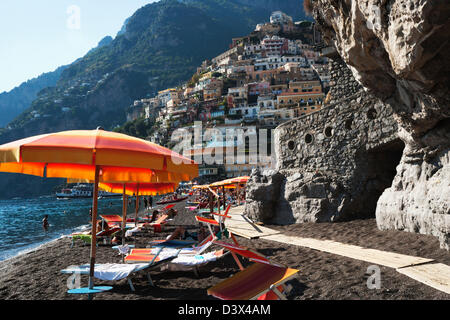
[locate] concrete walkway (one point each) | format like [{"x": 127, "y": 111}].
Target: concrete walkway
[{"x": 436, "y": 275}]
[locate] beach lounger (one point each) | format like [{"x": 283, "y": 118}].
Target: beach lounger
[
  {"x": 112, "y": 220},
  {"x": 189, "y": 257},
  {"x": 193, "y": 262},
  {"x": 212, "y": 223},
  {"x": 157, "y": 226},
  {"x": 262, "y": 280},
  {"x": 187, "y": 247},
  {"x": 119, "y": 271},
  {"x": 258, "y": 281},
  {"x": 147, "y": 255}
]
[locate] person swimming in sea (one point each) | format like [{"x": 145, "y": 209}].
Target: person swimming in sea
[{"x": 45, "y": 223}]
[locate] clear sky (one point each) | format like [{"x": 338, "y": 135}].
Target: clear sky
[{"x": 39, "y": 36}]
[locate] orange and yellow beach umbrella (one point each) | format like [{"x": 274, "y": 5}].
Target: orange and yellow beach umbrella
[
  {"x": 143, "y": 189},
  {"x": 76, "y": 154},
  {"x": 201, "y": 187},
  {"x": 229, "y": 182},
  {"x": 99, "y": 156}
]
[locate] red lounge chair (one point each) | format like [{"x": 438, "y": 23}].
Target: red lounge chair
[
  {"x": 258, "y": 281},
  {"x": 263, "y": 280},
  {"x": 112, "y": 220}
]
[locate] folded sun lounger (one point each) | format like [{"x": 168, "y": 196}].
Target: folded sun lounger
[
  {"x": 262, "y": 280},
  {"x": 254, "y": 282}
]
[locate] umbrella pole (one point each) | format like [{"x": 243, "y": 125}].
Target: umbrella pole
[
  {"x": 137, "y": 206},
  {"x": 211, "y": 204},
  {"x": 124, "y": 213},
  {"x": 218, "y": 201},
  {"x": 238, "y": 188},
  {"x": 224, "y": 199},
  {"x": 94, "y": 231}
]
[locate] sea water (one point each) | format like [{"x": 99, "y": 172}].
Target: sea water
[{"x": 21, "y": 221}]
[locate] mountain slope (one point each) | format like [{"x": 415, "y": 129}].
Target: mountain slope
[
  {"x": 161, "y": 46},
  {"x": 17, "y": 100}
]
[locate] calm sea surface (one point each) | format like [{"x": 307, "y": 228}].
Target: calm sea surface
[{"x": 21, "y": 221}]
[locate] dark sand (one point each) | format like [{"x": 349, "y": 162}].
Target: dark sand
[{"x": 36, "y": 275}]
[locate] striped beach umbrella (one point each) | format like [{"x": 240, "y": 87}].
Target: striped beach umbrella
[{"x": 99, "y": 156}]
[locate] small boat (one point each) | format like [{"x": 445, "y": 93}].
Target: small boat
[{"x": 83, "y": 191}]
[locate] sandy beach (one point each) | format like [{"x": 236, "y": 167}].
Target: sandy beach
[{"x": 36, "y": 275}]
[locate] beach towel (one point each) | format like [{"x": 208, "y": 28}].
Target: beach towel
[
  {"x": 114, "y": 271},
  {"x": 85, "y": 238},
  {"x": 194, "y": 260},
  {"x": 130, "y": 233}
]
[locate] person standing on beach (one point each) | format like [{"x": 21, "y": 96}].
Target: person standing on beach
[
  {"x": 45, "y": 223},
  {"x": 150, "y": 202},
  {"x": 145, "y": 203}
]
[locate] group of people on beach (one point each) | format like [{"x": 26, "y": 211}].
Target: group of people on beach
[
  {"x": 230, "y": 196},
  {"x": 148, "y": 202},
  {"x": 171, "y": 197}
]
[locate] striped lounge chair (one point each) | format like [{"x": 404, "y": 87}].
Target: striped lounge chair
[{"x": 262, "y": 280}]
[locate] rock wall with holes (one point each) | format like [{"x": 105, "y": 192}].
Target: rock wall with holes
[
  {"x": 332, "y": 165},
  {"x": 398, "y": 51}
]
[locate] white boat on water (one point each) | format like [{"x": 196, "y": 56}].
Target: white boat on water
[{"x": 83, "y": 191}]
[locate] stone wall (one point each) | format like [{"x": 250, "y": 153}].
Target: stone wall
[
  {"x": 325, "y": 164},
  {"x": 398, "y": 50},
  {"x": 342, "y": 82},
  {"x": 328, "y": 171}
]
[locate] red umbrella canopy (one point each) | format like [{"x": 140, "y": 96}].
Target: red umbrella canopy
[
  {"x": 141, "y": 189},
  {"x": 75, "y": 154}
]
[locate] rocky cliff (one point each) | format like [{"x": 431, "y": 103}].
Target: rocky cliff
[
  {"x": 14, "y": 102},
  {"x": 333, "y": 164},
  {"x": 398, "y": 51}
]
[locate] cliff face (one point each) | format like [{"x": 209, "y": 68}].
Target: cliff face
[
  {"x": 398, "y": 50},
  {"x": 17, "y": 100},
  {"x": 381, "y": 147}
]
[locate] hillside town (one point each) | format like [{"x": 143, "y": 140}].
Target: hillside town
[{"x": 271, "y": 76}]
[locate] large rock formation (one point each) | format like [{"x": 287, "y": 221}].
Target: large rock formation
[
  {"x": 332, "y": 165},
  {"x": 398, "y": 50}
]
